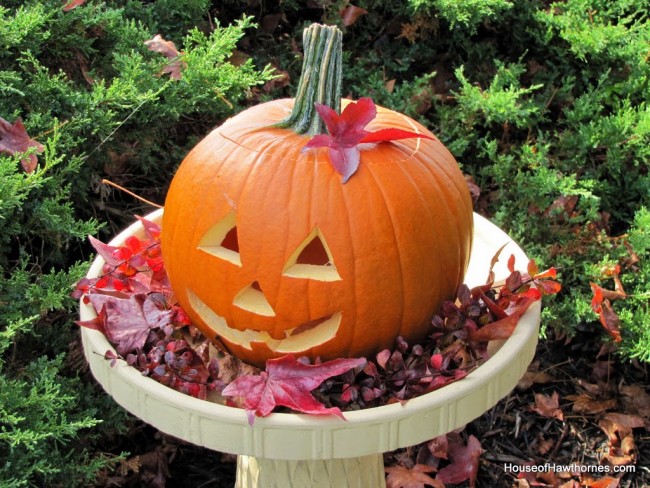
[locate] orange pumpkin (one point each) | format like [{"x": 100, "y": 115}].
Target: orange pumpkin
[{"x": 269, "y": 253}]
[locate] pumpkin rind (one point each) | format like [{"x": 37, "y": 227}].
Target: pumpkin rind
[{"x": 399, "y": 233}]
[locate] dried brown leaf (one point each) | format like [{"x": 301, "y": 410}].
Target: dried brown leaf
[
  {"x": 72, "y": 4},
  {"x": 464, "y": 462},
  {"x": 281, "y": 80},
  {"x": 561, "y": 207},
  {"x": 231, "y": 368},
  {"x": 409, "y": 32},
  {"x": 543, "y": 478},
  {"x": 439, "y": 447},
  {"x": 168, "y": 49},
  {"x": 603, "y": 370},
  {"x": 618, "y": 426},
  {"x": 608, "y": 317},
  {"x": 636, "y": 400},
  {"x": 239, "y": 58},
  {"x": 586, "y": 405},
  {"x": 622, "y": 455},
  {"x": 174, "y": 69},
  {"x": 159, "y": 45},
  {"x": 570, "y": 484},
  {"x": 154, "y": 468},
  {"x": 127, "y": 466},
  {"x": 547, "y": 406},
  {"x": 82, "y": 61},
  {"x": 594, "y": 390},
  {"x": 270, "y": 22},
  {"x": 606, "y": 482},
  {"x": 474, "y": 189},
  {"x": 351, "y": 13},
  {"x": 415, "y": 477},
  {"x": 533, "y": 376},
  {"x": 543, "y": 446}
]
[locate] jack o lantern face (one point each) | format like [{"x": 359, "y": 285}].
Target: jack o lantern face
[{"x": 311, "y": 260}]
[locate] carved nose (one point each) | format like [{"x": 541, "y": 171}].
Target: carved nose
[{"x": 251, "y": 298}]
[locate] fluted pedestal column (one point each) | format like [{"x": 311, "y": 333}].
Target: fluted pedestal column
[{"x": 360, "y": 472}]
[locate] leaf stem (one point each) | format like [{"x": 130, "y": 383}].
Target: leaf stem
[{"x": 320, "y": 80}]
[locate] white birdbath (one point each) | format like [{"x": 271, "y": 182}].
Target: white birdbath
[{"x": 295, "y": 450}]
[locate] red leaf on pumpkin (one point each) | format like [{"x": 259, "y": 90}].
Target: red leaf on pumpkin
[
  {"x": 415, "y": 477},
  {"x": 288, "y": 382},
  {"x": 464, "y": 462},
  {"x": 14, "y": 140},
  {"x": 347, "y": 131}
]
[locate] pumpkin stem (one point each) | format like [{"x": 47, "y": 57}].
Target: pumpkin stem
[{"x": 320, "y": 80}]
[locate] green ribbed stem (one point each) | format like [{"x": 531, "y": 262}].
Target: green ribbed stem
[{"x": 320, "y": 80}]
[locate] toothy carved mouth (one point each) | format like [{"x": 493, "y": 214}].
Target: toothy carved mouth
[{"x": 298, "y": 339}]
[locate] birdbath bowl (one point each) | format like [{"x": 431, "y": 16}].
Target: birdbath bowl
[{"x": 297, "y": 450}]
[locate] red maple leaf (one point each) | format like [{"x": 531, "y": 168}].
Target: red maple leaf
[
  {"x": 347, "y": 131},
  {"x": 167, "y": 49},
  {"x": 415, "y": 477},
  {"x": 464, "y": 462},
  {"x": 287, "y": 382},
  {"x": 15, "y": 140}
]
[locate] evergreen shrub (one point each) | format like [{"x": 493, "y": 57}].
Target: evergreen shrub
[{"x": 88, "y": 89}]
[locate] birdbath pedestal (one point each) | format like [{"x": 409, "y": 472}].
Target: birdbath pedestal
[{"x": 295, "y": 450}]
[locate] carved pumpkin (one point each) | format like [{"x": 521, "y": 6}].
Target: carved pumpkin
[{"x": 268, "y": 252}]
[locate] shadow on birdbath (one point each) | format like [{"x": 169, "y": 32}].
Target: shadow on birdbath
[{"x": 285, "y": 449}]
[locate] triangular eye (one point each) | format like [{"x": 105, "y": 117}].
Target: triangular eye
[
  {"x": 312, "y": 259},
  {"x": 314, "y": 253},
  {"x": 221, "y": 240}
]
